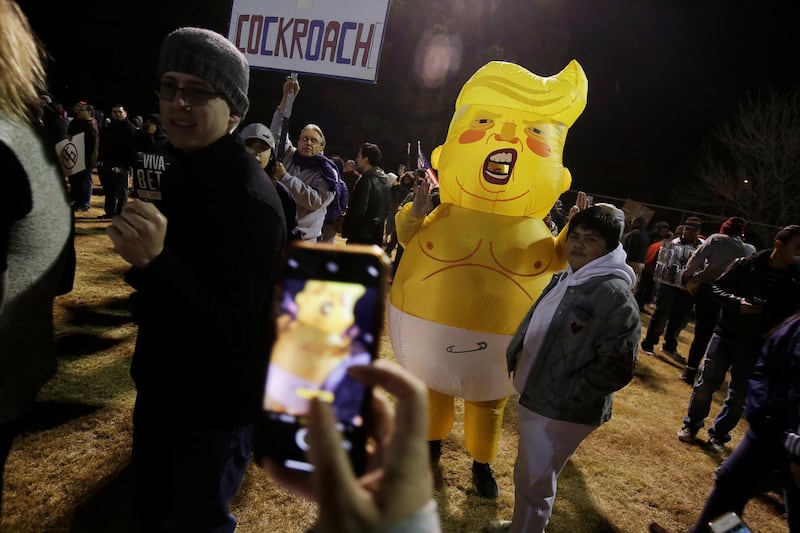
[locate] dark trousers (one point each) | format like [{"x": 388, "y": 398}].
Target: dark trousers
[
  {"x": 8, "y": 431},
  {"x": 186, "y": 475},
  {"x": 80, "y": 189},
  {"x": 645, "y": 288},
  {"x": 673, "y": 306},
  {"x": 706, "y": 311},
  {"x": 115, "y": 189},
  {"x": 722, "y": 354},
  {"x": 745, "y": 474}
]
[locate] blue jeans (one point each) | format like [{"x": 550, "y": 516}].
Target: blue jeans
[
  {"x": 721, "y": 355},
  {"x": 186, "y": 475},
  {"x": 706, "y": 311},
  {"x": 745, "y": 474},
  {"x": 80, "y": 189}
]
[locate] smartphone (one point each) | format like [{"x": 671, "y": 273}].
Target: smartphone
[
  {"x": 728, "y": 523},
  {"x": 330, "y": 304}
]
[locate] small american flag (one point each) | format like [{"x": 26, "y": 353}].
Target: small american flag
[{"x": 423, "y": 164}]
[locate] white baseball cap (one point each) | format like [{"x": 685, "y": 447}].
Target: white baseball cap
[{"x": 258, "y": 131}]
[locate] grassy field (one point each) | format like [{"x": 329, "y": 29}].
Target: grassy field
[{"x": 68, "y": 472}]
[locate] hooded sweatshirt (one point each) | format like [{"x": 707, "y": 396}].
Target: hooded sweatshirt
[
  {"x": 612, "y": 263},
  {"x": 577, "y": 344}
]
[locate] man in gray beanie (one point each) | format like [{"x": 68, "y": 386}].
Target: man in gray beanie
[{"x": 204, "y": 263}]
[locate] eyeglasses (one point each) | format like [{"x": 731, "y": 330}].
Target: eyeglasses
[
  {"x": 310, "y": 140},
  {"x": 167, "y": 91}
]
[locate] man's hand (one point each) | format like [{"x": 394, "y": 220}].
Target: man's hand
[
  {"x": 692, "y": 285},
  {"x": 423, "y": 204},
  {"x": 280, "y": 170},
  {"x": 581, "y": 203},
  {"x": 138, "y": 233},
  {"x": 748, "y": 308},
  {"x": 398, "y": 482}
]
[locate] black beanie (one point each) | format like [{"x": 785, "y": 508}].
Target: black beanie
[{"x": 212, "y": 57}]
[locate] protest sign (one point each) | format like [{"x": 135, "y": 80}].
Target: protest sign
[
  {"x": 71, "y": 155},
  {"x": 338, "y": 38}
]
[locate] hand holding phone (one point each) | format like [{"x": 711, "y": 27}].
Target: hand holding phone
[
  {"x": 331, "y": 301},
  {"x": 380, "y": 498}
]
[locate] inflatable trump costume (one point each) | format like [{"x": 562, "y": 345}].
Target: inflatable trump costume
[{"x": 474, "y": 266}]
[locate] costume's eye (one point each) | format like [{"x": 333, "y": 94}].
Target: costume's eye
[
  {"x": 536, "y": 131},
  {"x": 481, "y": 124},
  {"x": 537, "y": 138}
]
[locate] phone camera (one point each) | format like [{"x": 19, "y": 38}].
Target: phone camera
[{"x": 372, "y": 271}]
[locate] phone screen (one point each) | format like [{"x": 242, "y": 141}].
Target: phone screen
[
  {"x": 329, "y": 316},
  {"x": 729, "y": 523}
]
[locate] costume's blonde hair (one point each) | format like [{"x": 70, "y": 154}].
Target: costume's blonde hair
[{"x": 21, "y": 65}]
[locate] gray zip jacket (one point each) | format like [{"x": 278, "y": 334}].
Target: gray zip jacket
[{"x": 589, "y": 351}]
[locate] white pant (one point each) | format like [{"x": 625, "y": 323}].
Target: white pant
[{"x": 545, "y": 446}]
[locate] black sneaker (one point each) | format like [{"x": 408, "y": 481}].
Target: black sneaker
[
  {"x": 647, "y": 348},
  {"x": 716, "y": 446},
  {"x": 674, "y": 354},
  {"x": 483, "y": 478}
]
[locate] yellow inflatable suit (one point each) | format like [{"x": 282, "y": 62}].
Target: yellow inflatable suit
[{"x": 473, "y": 267}]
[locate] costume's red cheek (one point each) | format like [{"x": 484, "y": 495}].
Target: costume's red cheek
[
  {"x": 470, "y": 136},
  {"x": 538, "y": 147}
]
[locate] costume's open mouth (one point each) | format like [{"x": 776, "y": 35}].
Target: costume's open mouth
[{"x": 498, "y": 165}]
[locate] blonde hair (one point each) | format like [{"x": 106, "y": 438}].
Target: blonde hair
[{"x": 21, "y": 55}]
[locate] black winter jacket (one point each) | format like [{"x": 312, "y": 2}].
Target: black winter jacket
[
  {"x": 204, "y": 305},
  {"x": 116, "y": 144},
  {"x": 368, "y": 208},
  {"x": 746, "y": 279}
]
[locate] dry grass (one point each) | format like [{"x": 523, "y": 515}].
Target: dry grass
[{"x": 67, "y": 472}]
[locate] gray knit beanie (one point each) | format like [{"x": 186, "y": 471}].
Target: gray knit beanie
[{"x": 212, "y": 57}]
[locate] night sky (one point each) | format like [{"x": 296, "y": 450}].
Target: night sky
[{"x": 662, "y": 75}]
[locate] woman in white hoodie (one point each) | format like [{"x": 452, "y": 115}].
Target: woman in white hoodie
[{"x": 575, "y": 347}]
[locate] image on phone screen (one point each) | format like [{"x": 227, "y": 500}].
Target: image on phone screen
[
  {"x": 325, "y": 324},
  {"x": 318, "y": 339}
]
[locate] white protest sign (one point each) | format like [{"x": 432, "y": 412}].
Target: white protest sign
[
  {"x": 71, "y": 155},
  {"x": 338, "y": 38}
]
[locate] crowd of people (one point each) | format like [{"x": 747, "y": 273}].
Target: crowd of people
[{"x": 205, "y": 320}]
